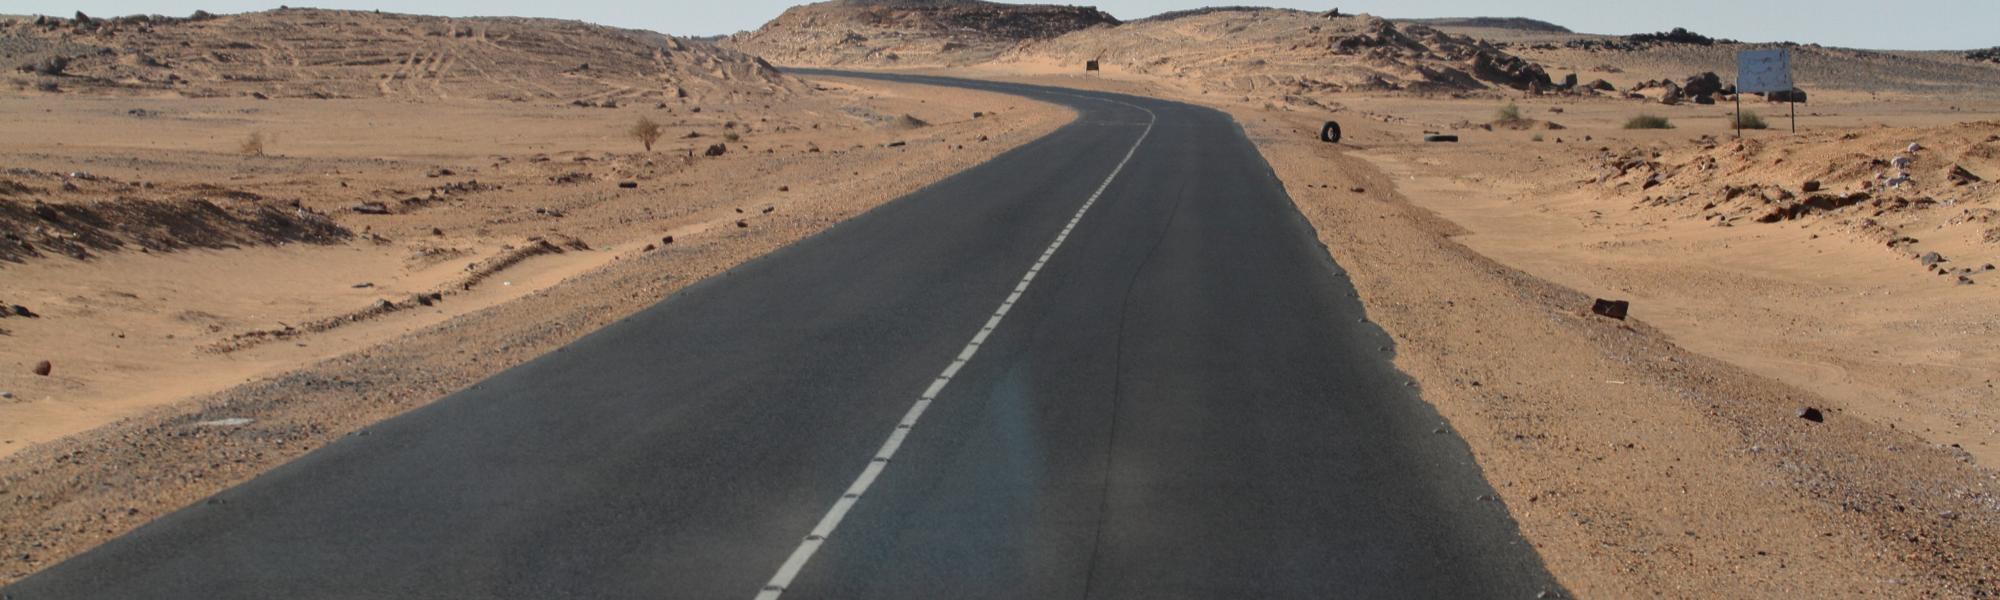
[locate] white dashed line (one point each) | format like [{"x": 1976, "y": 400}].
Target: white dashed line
[{"x": 831, "y": 521}]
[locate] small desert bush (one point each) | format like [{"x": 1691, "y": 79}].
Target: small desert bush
[
  {"x": 1538, "y": 137},
  {"x": 731, "y": 136},
  {"x": 1750, "y": 120},
  {"x": 1649, "y": 122},
  {"x": 647, "y": 132},
  {"x": 1510, "y": 113},
  {"x": 254, "y": 144}
]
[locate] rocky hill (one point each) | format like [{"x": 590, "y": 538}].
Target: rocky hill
[
  {"x": 347, "y": 54},
  {"x": 910, "y": 32},
  {"x": 1274, "y": 51}
]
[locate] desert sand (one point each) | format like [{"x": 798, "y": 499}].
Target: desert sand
[{"x": 1661, "y": 456}]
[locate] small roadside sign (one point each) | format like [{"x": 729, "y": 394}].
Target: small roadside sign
[{"x": 1764, "y": 71}]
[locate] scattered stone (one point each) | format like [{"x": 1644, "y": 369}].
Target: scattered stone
[
  {"x": 422, "y": 299},
  {"x": 716, "y": 150},
  {"x": 784, "y": 188},
  {"x": 1960, "y": 176},
  {"x": 550, "y": 212},
  {"x": 6, "y": 395},
  {"x": 43, "y": 368},
  {"x": 742, "y": 224},
  {"x": 437, "y": 231},
  {"x": 739, "y": 210},
  {"x": 1810, "y": 186},
  {"x": 363, "y": 285},
  {"x": 1434, "y": 138},
  {"x": 1931, "y": 259},
  {"x": 22, "y": 311},
  {"x": 628, "y": 184},
  {"x": 1616, "y": 309},
  {"x": 1812, "y": 414},
  {"x": 650, "y": 248},
  {"x": 371, "y": 208},
  {"x": 896, "y": 144},
  {"x": 1358, "y": 190},
  {"x": 667, "y": 240},
  {"x": 385, "y": 305}
]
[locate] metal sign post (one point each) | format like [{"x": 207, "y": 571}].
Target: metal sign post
[{"x": 1765, "y": 71}]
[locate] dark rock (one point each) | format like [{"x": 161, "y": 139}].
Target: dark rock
[
  {"x": 1791, "y": 96},
  {"x": 667, "y": 240},
  {"x": 437, "y": 231},
  {"x": 743, "y": 224},
  {"x": 716, "y": 150},
  {"x": 1931, "y": 259},
  {"x": 1812, "y": 414},
  {"x": 1601, "y": 85},
  {"x": 768, "y": 209},
  {"x": 22, "y": 311},
  {"x": 44, "y": 368},
  {"x": 1616, "y": 309},
  {"x": 1705, "y": 84},
  {"x": 1960, "y": 176},
  {"x": 371, "y": 208},
  {"x": 1810, "y": 186},
  {"x": 422, "y": 299},
  {"x": 1440, "y": 138},
  {"x": 896, "y": 144},
  {"x": 784, "y": 188},
  {"x": 628, "y": 184}
]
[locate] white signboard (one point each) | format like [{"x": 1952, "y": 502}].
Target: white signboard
[{"x": 1761, "y": 71}]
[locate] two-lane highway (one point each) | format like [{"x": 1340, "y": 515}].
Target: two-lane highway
[{"x": 1112, "y": 363}]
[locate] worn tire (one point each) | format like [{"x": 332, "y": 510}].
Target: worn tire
[{"x": 1440, "y": 138}]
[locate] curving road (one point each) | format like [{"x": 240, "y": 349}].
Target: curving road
[{"x": 1112, "y": 363}]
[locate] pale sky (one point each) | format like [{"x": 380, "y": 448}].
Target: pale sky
[{"x": 1901, "y": 24}]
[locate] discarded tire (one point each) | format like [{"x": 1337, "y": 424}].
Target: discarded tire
[
  {"x": 1440, "y": 138},
  {"x": 1330, "y": 133}
]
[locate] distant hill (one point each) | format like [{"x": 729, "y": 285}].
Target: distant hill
[
  {"x": 1512, "y": 23},
  {"x": 910, "y": 32},
  {"x": 343, "y": 54}
]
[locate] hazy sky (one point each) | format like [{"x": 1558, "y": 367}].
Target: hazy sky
[{"x": 1903, "y": 24}]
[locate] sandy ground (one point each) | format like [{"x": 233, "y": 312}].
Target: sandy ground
[
  {"x": 151, "y": 364},
  {"x": 1660, "y": 456}
]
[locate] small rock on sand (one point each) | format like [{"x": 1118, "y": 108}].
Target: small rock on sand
[
  {"x": 1812, "y": 414},
  {"x": 667, "y": 240},
  {"x": 743, "y": 224},
  {"x": 43, "y": 368}
]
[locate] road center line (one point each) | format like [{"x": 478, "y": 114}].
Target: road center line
[{"x": 831, "y": 521}]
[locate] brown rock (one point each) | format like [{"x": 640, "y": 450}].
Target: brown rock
[{"x": 43, "y": 368}]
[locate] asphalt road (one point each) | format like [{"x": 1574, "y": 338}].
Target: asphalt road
[{"x": 1184, "y": 400}]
